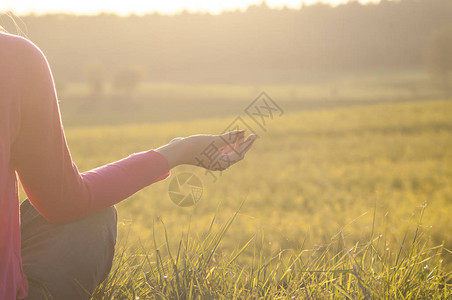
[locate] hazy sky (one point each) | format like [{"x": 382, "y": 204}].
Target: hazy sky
[{"x": 143, "y": 6}]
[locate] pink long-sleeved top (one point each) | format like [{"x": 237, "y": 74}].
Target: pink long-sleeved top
[{"x": 33, "y": 145}]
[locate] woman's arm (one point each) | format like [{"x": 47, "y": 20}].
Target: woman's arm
[
  {"x": 231, "y": 146},
  {"x": 41, "y": 157}
]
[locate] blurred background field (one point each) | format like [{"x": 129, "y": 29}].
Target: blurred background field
[
  {"x": 167, "y": 101},
  {"x": 310, "y": 175},
  {"x": 358, "y": 174}
]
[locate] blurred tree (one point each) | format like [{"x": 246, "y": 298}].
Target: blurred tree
[
  {"x": 438, "y": 57},
  {"x": 236, "y": 46},
  {"x": 128, "y": 77},
  {"x": 95, "y": 79}
]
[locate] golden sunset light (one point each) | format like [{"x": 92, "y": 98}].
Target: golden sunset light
[
  {"x": 143, "y": 7},
  {"x": 225, "y": 149}
]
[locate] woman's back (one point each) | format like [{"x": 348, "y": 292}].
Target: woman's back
[
  {"x": 12, "y": 281},
  {"x": 33, "y": 144}
]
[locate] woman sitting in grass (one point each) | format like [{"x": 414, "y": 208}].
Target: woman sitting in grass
[{"x": 60, "y": 243}]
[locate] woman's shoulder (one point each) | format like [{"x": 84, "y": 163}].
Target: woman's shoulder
[
  {"x": 12, "y": 40},
  {"x": 19, "y": 46},
  {"x": 21, "y": 52}
]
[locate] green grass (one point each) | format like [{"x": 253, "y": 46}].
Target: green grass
[
  {"x": 368, "y": 269},
  {"x": 355, "y": 201}
]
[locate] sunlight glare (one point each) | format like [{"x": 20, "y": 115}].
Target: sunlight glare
[{"x": 142, "y": 7}]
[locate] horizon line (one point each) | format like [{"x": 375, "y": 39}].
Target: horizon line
[{"x": 184, "y": 11}]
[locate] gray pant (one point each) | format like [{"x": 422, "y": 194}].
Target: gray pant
[{"x": 66, "y": 261}]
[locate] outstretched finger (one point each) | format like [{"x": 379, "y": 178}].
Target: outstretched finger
[
  {"x": 233, "y": 146},
  {"x": 229, "y": 138},
  {"x": 244, "y": 146},
  {"x": 239, "y": 152}
]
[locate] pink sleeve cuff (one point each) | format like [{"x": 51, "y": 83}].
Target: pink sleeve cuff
[
  {"x": 119, "y": 180},
  {"x": 159, "y": 165}
]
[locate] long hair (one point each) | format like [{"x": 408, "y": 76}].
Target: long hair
[{"x": 14, "y": 24}]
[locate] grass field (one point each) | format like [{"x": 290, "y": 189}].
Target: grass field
[
  {"x": 154, "y": 102},
  {"x": 348, "y": 202}
]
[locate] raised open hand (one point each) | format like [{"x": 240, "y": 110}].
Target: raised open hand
[{"x": 212, "y": 152}]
